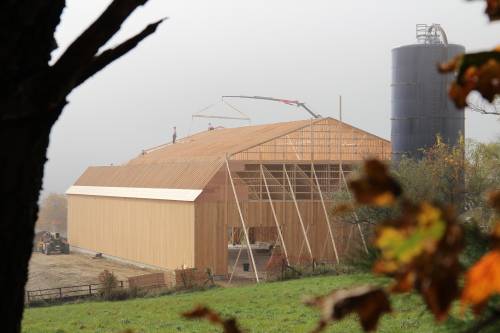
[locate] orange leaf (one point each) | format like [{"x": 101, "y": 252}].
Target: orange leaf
[
  {"x": 370, "y": 303},
  {"x": 482, "y": 281},
  {"x": 493, "y": 9},
  {"x": 376, "y": 186},
  {"x": 494, "y": 200},
  {"x": 343, "y": 208},
  {"x": 475, "y": 72},
  {"x": 420, "y": 250}
]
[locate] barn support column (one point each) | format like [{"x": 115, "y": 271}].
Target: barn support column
[
  {"x": 274, "y": 214},
  {"x": 341, "y": 170},
  {"x": 249, "y": 248},
  {"x": 326, "y": 214},
  {"x": 304, "y": 231},
  {"x": 354, "y": 213},
  {"x": 236, "y": 261}
]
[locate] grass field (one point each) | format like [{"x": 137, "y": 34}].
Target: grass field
[{"x": 269, "y": 307}]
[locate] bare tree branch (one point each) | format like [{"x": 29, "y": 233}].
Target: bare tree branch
[
  {"x": 481, "y": 110},
  {"x": 81, "y": 52},
  {"x": 105, "y": 58}
]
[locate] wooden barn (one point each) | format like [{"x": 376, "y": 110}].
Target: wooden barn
[{"x": 183, "y": 204}]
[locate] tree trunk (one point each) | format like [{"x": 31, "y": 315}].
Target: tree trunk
[
  {"x": 24, "y": 146},
  {"x": 32, "y": 96}
]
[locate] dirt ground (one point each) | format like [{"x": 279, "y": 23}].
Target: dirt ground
[{"x": 53, "y": 271}]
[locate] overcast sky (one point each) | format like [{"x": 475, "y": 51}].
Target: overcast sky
[{"x": 306, "y": 50}]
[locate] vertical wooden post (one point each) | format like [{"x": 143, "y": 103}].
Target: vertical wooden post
[
  {"x": 242, "y": 222},
  {"x": 274, "y": 214},
  {"x": 260, "y": 190},
  {"x": 354, "y": 213},
  {"x": 341, "y": 169},
  {"x": 235, "y": 264},
  {"x": 298, "y": 212},
  {"x": 302, "y": 244},
  {"x": 283, "y": 201},
  {"x": 326, "y": 214},
  {"x": 226, "y": 208}
]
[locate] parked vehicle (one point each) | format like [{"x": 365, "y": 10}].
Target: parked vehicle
[{"x": 52, "y": 242}]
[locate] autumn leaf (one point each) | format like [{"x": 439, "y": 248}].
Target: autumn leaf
[
  {"x": 495, "y": 236},
  {"x": 343, "y": 208},
  {"x": 420, "y": 250},
  {"x": 493, "y": 9},
  {"x": 376, "y": 186},
  {"x": 482, "y": 281},
  {"x": 475, "y": 71},
  {"x": 417, "y": 231},
  {"x": 494, "y": 200},
  {"x": 201, "y": 312},
  {"x": 370, "y": 303}
]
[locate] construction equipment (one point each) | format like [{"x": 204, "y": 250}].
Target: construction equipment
[
  {"x": 52, "y": 242},
  {"x": 286, "y": 101}
]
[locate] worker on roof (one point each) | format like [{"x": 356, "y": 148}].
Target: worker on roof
[
  {"x": 210, "y": 127},
  {"x": 174, "y": 136}
]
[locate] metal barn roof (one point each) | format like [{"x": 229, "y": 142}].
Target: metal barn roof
[
  {"x": 218, "y": 143},
  {"x": 192, "y": 162},
  {"x": 192, "y": 174}
]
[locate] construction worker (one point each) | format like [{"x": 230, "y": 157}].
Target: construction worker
[
  {"x": 174, "y": 136},
  {"x": 210, "y": 127}
]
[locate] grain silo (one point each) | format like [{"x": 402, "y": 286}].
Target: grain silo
[{"x": 421, "y": 109}]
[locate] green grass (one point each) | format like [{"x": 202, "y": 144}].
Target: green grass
[{"x": 269, "y": 307}]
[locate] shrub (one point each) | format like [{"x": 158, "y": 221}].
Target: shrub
[{"x": 109, "y": 283}]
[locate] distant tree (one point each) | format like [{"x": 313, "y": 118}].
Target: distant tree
[
  {"x": 32, "y": 97},
  {"x": 53, "y": 214}
]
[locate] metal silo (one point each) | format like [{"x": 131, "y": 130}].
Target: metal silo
[{"x": 421, "y": 109}]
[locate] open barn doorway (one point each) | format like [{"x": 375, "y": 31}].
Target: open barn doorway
[{"x": 266, "y": 250}]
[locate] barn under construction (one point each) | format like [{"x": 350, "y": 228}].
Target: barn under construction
[{"x": 183, "y": 204}]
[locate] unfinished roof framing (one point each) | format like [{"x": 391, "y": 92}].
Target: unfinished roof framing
[{"x": 271, "y": 183}]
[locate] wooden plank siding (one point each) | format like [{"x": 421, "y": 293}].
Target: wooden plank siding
[
  {"x": 154, "y": 232},
  {"x": 314, "y": 220},
  {"x": 210, "y": 246}
]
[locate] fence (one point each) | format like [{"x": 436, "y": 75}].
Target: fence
[
  {"x": 182, "y": 278},
  {"x": 65, "y": 293}
]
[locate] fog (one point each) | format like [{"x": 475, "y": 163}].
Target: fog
[{"x": 312, "y": 51}]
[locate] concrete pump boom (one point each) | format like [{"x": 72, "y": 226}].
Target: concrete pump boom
[{"x": 286, "y": 101}]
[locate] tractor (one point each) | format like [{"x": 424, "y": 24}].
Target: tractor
[{"x": 52, "y": 242}]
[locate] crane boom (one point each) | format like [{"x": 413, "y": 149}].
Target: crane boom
[{"x": 286, "y": 101}]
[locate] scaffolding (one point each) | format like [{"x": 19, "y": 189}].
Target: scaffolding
[{"x": 299, "y": 173}]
